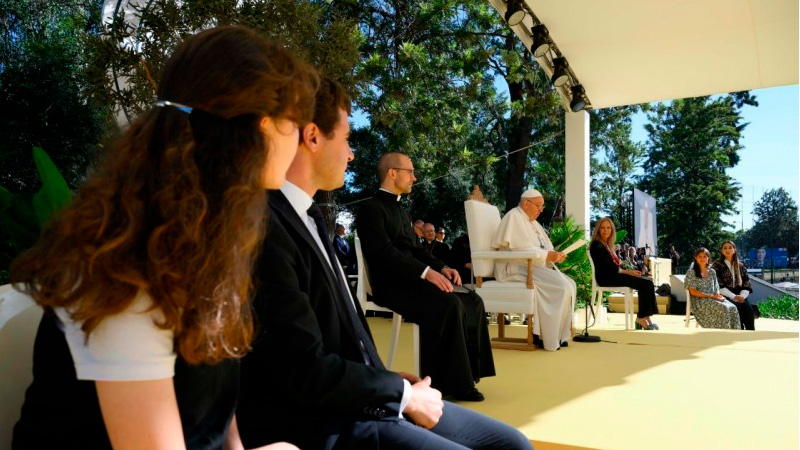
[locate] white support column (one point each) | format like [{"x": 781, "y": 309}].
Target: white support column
[{"x": 577, "y": 157}]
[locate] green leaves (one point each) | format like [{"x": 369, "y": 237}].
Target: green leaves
[
  {"x": 54, "y": 192},
  {"x": 783, "y": 307},
  {"x": 776, "y": 223},
  {"x": 23, "y": 215},
  {"x": 576, "y": 266}
]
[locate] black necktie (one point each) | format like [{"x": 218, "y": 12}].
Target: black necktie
[{"x": 368, "y": 348}]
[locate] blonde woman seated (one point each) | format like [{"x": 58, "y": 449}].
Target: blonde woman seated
[
  {"x": 708, "y": 305},
  {"x": 607, "y": 272}
]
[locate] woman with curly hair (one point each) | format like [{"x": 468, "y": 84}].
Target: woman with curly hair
[
  {"x": 146, "y": 277},
  {"x": 734, "y": 284},
  {"x": 708, "y": 305}
]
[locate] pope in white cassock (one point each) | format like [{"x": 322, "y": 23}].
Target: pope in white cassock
[{"x": 555, "y": 292}]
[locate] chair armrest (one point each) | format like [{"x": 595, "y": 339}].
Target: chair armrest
[{"x": 506, "y": 254}]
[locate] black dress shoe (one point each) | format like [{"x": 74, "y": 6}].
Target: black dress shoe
[
  {"x": 565, "y": 344},
  {"x": 471, "y": 395}
]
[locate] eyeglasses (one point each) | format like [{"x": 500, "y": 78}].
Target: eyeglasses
[
  {"x": 541, "y": 207},
  {"x": 410, "y": 171}
]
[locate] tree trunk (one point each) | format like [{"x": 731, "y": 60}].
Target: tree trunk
[{"x": 519, "y": 136}]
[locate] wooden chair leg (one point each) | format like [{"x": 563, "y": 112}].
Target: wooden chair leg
[
  {"x": 501, "y": 325},
  {"x": 509, "y": 343}
]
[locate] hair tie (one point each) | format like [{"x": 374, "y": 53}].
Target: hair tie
[{"x": 184, "y": 108}]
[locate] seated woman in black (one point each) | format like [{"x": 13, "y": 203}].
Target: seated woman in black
[
  {"x": 146, "y": 277},
  {"x": 734, "y": 284},
  {"x": 608, "y": 273}
]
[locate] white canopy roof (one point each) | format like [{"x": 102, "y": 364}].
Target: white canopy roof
[{"x": 626, "y": 52}]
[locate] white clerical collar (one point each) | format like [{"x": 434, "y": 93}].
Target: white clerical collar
[
  {"x": 385, "y": 190},
  {"x": 297, "y": 197}
]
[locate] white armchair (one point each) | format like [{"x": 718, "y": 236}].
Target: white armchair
[
  {"x": 483, "y": 220},
  {"x": 362, "y": 289},
  {"x": 19, "y": 321}
]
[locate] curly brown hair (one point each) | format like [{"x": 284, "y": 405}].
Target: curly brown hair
[{"x": 178, "y": 207}]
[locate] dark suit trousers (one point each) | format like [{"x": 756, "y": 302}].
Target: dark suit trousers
[
  {"x": 459, "y": 428},
  {"x": 647, "y": 295},
  {"x": 746, "y": 314},
  {"x": 452, "y": 353}
]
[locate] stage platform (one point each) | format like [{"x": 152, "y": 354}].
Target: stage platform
[{"x": 676, "y": 388}]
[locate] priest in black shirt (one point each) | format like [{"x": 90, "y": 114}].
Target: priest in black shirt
[{"x": 455, "y": 347}]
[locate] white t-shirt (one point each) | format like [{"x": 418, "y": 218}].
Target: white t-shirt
[{"x": 124, "y": 347}]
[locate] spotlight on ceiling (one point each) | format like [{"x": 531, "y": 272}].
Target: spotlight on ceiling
[
  {"x": 541, "y": 40},
  {"x": 560, "y": 72},
  {"x": 578, "y": 100},
  {"x": 514, "y": 13}
]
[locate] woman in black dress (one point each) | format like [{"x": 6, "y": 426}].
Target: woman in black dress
[
  {"x": 734, "y": 283},
  {"x": 608, "y": 272},
  {"x": 146, "y": 277}
]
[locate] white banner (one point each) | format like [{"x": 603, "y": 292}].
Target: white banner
[{"x": 644, "y": 222}]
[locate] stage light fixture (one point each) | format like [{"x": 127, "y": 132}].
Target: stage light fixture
[
  {"x": 514, "y": 14},
  {"x": 541, "y": 40},
  {"x": 578, "y": 100},
  {"x": 560, "y": 72}
]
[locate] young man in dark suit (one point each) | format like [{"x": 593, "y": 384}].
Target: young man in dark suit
[
  {"x": 313, "y": 377},
  {"x": 455, "y": 345}
]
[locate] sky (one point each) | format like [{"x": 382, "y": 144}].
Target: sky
[{"x": 770, "y": 157}]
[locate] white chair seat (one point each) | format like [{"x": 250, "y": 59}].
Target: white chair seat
[
  {"x": 689, "y": 311},
  {"x": 597, "y": 295},
  {"x": 512, "y": 296},
  {"x": 365, "y": 288},
  {"x": 19, "y": 320}
]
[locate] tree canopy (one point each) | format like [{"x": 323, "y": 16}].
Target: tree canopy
[
  {"x": 776, "y": 223},
  {"x": 43, "y": 98},
  {"x": 691, "y": 144}
]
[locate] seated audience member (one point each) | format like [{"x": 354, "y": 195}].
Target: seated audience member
[
  {"x": 675, "y": 257},
  {"x": 461, "y": 258},
  {"x": 454, "y": 336},
  {"x": 636, "y": 261},
  {"x": 641, "y": 258},
  {"x": 419, "y": 231},
  {"x": 708, "y": 305},
  {"x": 433, "y": 246},
  {"x": 313, "y": 377},
  {"x": 146, "y": 277},
  {"x": 607, "y": 272},
  {"x": 622, "y": 252},
  {"x": 440, "y": 234},
  {"x": 555, "y": 292},
  {"x": 344, "y": 253},
  {"x": 734, "y": 283}
]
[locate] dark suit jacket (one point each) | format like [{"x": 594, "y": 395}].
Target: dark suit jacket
[
  {"x": 605, "y": 269},
  {"x": 726, "y": 280},
  {"x": 342, "y": 249},
  {"x": 390, "y": 246},
  {"x": 391, "y": 249},
  {"x": 438, "y": 250},
  {"x": 305, "y": 380}
]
